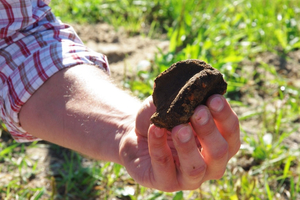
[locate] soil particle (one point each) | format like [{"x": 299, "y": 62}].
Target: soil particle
[{"x": 181, "y": 88}]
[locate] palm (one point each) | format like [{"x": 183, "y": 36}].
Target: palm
[
  {"x": 135, "y": 151},
  {"x": 138, "y": 161}
]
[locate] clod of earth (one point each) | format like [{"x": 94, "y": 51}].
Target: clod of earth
[{"x": 181, "y": 88}]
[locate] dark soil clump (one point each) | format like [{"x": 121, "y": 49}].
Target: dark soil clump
[{"x": 181, "y": 88}]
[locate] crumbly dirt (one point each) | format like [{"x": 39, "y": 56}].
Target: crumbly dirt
[{"x": 181, "y": 88}]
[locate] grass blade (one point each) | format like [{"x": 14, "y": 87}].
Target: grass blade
[{"x": 8, "y": 149}]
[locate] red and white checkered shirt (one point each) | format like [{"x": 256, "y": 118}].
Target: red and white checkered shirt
[{"x": 34, "y": 45}]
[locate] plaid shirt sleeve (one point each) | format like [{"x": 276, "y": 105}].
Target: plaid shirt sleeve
[{"x": 34, "y": 45}]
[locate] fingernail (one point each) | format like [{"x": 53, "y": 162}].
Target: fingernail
[
  {"x": 216, "y": 104},
  {"x": 202, "y": 116},
  {"x": 158, "y": 132},
  {"x": 184, "y": 134}
]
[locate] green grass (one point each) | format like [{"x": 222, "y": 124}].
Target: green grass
[{"x": 231, "y": 36}]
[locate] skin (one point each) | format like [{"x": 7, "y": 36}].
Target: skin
[{"x": 81, "y": 109}]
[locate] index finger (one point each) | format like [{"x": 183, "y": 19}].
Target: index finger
[
  {"x": 164, "y": 170},
  {"x": 226, "y": 120}
]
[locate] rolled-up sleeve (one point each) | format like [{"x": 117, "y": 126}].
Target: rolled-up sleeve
[{"x": 31, "y": 51}]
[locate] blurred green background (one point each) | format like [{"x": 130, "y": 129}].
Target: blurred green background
[{"x": 254, "y": 43}]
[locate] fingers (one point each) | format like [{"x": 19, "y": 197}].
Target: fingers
[
  {"x": 216, "y": 127},
  {"x": 214, "y": 146},
  {"x": 164, "y": 170},
  {"x": 192, "y": 166},
  {"x": 227, "y": 122}
]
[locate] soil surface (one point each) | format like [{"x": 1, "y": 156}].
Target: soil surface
[
  {"x": 256, "y": 94},
  {"x": 125, "y": 54}
]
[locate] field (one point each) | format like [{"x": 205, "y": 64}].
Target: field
[{"x": 254, "y": 43}]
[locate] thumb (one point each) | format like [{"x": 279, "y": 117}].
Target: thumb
[{"x": 143, "y": 116}]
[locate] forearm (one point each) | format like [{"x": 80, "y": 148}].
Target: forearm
[{"x": 79, "y": 108}]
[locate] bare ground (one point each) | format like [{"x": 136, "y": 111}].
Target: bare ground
[{"x": 125, "y": 54}]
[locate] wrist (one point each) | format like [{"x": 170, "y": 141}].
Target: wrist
[{"x": 124, "y": 138}]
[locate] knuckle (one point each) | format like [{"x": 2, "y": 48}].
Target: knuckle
[
  {"x": 236, "y": 126},
  {"x": 219, "y": 174},
  {"x": 161, "y": 159},
  {"x": 236, "y": 148},
  {"x": 221, "y": 152},
  {"x": 233, "y": 130},
  {"x": 206, "y": 131},
  {"x": 186, "y": 149},
  {"x": 196, "y": 173}
]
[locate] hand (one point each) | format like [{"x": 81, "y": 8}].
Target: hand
[
  {"x": 172, "y": 161},
  {"x": 71, "y": 110}
]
